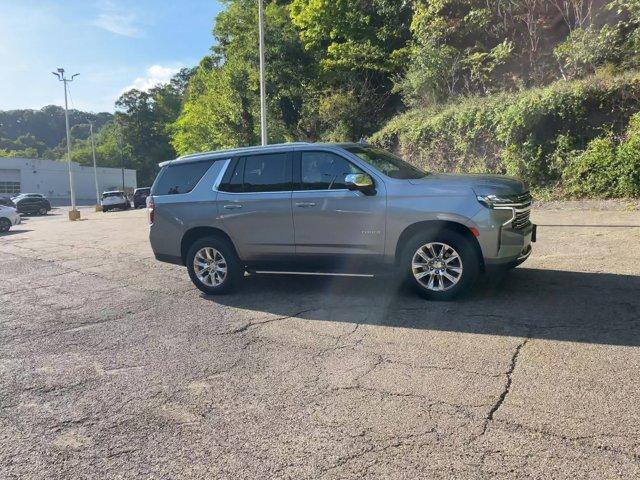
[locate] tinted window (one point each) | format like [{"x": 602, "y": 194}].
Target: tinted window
[
  {"x": 386, "y": 163},
  {"x": 267, "y": 173},
  {"x": 112, "y": 194},
  {"x": 234, "y": 182},
  {"x": 181, "y": 177},
  {"x": 324, "y": 171}
]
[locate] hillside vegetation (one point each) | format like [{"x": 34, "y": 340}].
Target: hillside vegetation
[
  {"x": 41, "y": 133},
  {"x": 577, "y": 138},
  {"x": 544, "y": 89}
]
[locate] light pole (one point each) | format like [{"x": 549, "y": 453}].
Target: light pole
[
  {"x": 95, "y": 169},
  {"x": 121, "y": 153},
  {"x": 74, "y": 214},
  {"x": 263, "y": 93}
]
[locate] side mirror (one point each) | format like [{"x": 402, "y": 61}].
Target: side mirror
[{"x": 361, "y": 182}]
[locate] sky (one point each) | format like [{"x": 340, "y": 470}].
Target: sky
[{"x": 114, "y": 45}]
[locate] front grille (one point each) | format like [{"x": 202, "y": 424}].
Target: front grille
[
  {"x": 521, "y": 220},
  {"x": 523, "y": 211}
]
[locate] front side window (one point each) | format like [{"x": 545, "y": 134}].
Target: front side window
[
  {"x": 181, "y": 177},
  {"x": 388, "y": 164},
  {"x": 324, "y": 171}
]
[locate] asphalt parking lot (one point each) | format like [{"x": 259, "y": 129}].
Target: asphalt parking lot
[{"x": 113, "y": 365}]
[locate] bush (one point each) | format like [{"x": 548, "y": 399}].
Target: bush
[
  {"x": 607, "y": 168},
  {"x": 594, "y": 172},
  {"x": 535, "y": 134}
]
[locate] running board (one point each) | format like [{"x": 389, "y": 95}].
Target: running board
[{"x": 323, "y": 274}]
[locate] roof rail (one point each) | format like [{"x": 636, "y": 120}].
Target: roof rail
[{"x": 239, "y": 149}]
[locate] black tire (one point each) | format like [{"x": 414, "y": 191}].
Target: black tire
[
  {"x": 234, "y": 269},
  {"x": 104, "y": 210},
  {"x": 469, "y": 264},
  {"x": 42, "y": 211},
  {"x": 5, "y": 225}
]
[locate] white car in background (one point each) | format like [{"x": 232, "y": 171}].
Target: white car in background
[
  {"x": 115, "y": 199},
  {"x": 9, "y": 217}
]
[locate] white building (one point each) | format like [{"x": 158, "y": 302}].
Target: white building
[{"x": 51, "y": 178}]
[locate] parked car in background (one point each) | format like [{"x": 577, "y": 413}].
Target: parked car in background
[
  {"x": 32, "y": 204},
  {"x": 9, "y": 217},
  {"x": 335, "y": 209},
  {"x": 6, "y": 202},
  {"x": 115, "y": 199},
  {"x": 140, "y": 197}
]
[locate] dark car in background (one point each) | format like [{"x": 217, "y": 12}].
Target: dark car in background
[
  {"x": 140, "y": 197},
  {"x": 32, "y": 204},
  {"x": 6, "y": 202}
]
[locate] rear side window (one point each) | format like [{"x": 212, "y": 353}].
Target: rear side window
[
  {"x": 260, "y": 173},
  {"x": 181, "y": 178}
]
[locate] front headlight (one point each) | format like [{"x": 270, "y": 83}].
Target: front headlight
[{"x": 491, "y": 200}]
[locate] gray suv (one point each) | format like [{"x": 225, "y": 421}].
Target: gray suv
[{"x": 334, "y": 209}]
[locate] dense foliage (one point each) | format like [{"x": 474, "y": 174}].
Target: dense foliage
[
  {"x": 330, "y": 71},
  {"x": 538, "y": 134}
]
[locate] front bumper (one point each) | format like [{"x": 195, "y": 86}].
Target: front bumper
[{"x": 515, "y": 246}]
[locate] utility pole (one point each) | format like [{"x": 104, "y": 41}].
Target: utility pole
[
  {"x": 95, "y": 169},
  {"x": 263, "y": 93},
  {"x": 74, "y": 214}
]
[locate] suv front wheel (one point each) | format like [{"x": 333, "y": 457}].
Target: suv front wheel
[
  {"x": 214, "y": 266},
  {"x": 440, "y": 266}
]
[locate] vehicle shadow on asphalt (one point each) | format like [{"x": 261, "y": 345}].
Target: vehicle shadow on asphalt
[
  {"x": 13, "y": 232},
  {"x": 547, "y": 304}
]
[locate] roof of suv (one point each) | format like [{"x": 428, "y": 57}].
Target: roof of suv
[{"x": 235, "y": 151}]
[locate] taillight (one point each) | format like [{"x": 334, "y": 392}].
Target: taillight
[{"x": 150, "y": 209}]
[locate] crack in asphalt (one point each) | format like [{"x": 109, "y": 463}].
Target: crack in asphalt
[
  {"x": 507, "y": 387},
  {"x": 249, "y": 325}
]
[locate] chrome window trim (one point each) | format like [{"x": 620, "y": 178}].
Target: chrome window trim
[{"x": 220, "y": 176}]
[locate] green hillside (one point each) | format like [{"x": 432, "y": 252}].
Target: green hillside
[{"x": 578, "y": 138}]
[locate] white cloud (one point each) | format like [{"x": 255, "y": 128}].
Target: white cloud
[
  {"x": 117, "y": 19},
  {"x": 156, "y": 75}
]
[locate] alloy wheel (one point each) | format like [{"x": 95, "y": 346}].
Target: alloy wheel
[
  {"x": 437, "y": 266},
  {"x": 210, "y": 266}
]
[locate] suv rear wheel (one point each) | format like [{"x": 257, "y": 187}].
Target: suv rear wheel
[
  {"x": 5, "y": 225},
  {"x": 440, "y": 266},
  {"x": 214, "y": 266}
]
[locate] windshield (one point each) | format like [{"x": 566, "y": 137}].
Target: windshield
[
  {"x": 387, "y": 163},
  {"x": 112, "y": 194}
]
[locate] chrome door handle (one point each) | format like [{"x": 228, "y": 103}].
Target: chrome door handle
[
  {"x": 232, "y": 206},
  {"x": 305, "y": 204}
]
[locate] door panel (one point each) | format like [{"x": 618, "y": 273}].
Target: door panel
[
  {"x": 335, "y": 222},
  {"x": 260, "y": 224},
  {"x": 256, "y": 208},
  {"x": 338, "y": 222}
]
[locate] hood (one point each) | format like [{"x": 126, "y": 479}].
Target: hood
[{"x": 481, "y": 184}]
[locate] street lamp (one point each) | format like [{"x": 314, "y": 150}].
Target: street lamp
[
  {"x": 74, "y": 214},
  {"x": 95, "y": 170}
]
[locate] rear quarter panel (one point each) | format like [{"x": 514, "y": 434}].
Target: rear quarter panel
[{"x": 176, "y": 214}]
